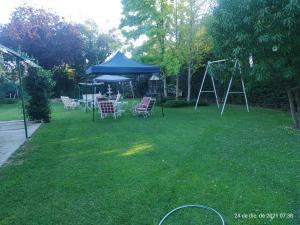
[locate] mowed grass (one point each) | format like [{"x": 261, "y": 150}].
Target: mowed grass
[
  {"x": 132, "y": 171},
  {"x": 11, "y": 111}
]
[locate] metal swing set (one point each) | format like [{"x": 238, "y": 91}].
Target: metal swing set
[{"x": 237, "y": 65}]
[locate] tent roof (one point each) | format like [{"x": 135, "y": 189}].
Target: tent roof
[
  {"x": 111, "y": 78},
  {"x": 119, "y": 64}
]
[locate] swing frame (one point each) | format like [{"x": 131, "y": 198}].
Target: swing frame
[{"x": 237, "y": 65}]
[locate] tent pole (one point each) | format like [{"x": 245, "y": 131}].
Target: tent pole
[
  {"x": 22, "y": 95},
  {"x": 93, "y": 101},
  {"x": 161, "y": 99},
  {"x": 86, "y": 94},
  {"x": 78, "y": 91}
]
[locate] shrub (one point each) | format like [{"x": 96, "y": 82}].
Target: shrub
[
  {"x": 182, "y": 103},
  {"x": 38, "y": 86}
]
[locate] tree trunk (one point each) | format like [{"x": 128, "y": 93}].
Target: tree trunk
[
  {"x": 190, "y": 60},
  {"x": 189, "y": 83},
  {"x": 297, "y": 99},
  {"x": 177, "y": 86},
  {"x": 176, "y": 41},
  {"x": 165, "y": 86},
  {"x": 293, "y": 109}
]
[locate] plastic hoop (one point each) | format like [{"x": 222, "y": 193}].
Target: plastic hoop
[{"x": 192, "y": 206}]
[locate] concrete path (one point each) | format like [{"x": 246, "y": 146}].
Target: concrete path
[{"x": 12, "y": 136}]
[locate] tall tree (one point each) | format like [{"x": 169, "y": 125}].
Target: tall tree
[
  {"x": 269, "y": 32},
  {"x": 43, "y": 35},
  {"x": 150, "y": 19},
  {"x": 97, "y": 46},
  {"x": 195, "y": 9},
  {"x": 175, "y": 35},
  {"x": 56, "y": 44},
  {"x": 178, "y": 24}
]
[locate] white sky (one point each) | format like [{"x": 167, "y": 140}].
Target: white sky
[{"x": 106, "y": 13}]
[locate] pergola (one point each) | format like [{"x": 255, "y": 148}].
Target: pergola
[
  {"x": 19, "y": 59},
  {"x": 119, "y": 64}
]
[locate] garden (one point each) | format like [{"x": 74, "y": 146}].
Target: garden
[
  {"x": 134, "y": 170},
  {"x": 201, "y": 118}
]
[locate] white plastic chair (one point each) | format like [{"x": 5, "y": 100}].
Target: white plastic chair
[{"x": 69, "y": 103}]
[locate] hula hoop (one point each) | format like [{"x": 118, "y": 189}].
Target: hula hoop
[{"x": 192, "y": 206}]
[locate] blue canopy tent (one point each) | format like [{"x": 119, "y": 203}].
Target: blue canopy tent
[{"x": 119, "y": 64}]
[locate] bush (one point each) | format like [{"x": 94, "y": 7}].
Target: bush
[
  {"x": 268, "y": 93},
  {"x": 38, "y": 86},
  {"x": 182, "y": 103}
]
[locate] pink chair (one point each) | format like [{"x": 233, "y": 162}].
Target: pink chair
[
  {"x": 144, "y": 103},
  {"x": 108, "y": 108},
  {"x": 145, "y": 107}
]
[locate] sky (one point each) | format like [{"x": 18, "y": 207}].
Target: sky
[{"x": 106, "y": 13}]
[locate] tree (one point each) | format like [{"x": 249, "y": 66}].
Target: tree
[
  {"x": 194, "y": 31},
  {"x": 150, "y": 19},
  {"x": 269, "y": 32},
  {"x": 175, "y": 36},
  {"x": 44, "y": 36},
  {"x": 67, "y": 47},
  {"x": 177, "y": 41},
  {"x": 56, "y": 44},
  {"x": 38, "y": 86},
  {"x": 97, "y": 46},
  {"x": 176, "y": 33},
  {"x": 31, "y": 30}
]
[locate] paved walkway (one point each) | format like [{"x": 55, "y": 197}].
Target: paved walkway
[{"x": 12, "y": 136}]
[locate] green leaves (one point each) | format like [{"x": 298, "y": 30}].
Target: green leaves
[
  {"x": 266, "y": 29},
  {"x": 171, "y": 63},
  {"x": 38, "y": 86},
  {"x": 151, "y": 18}
]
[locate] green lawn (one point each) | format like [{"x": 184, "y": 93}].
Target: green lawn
[
  {"x": 132, "y": 171},
  {"x": 11, "y": 111}
]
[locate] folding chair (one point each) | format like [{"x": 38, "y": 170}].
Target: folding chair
[
  {"x": 69, "y": 103},
  {"x": 145, "y": 107},
  {"x": 108, "y": 108}
]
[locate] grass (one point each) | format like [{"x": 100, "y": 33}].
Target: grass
[
  {"x": 132, "y": 171},
  {"x": 11, "y": 111}
]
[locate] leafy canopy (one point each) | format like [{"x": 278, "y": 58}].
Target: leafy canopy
[{"x": 267, "y": 30}]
